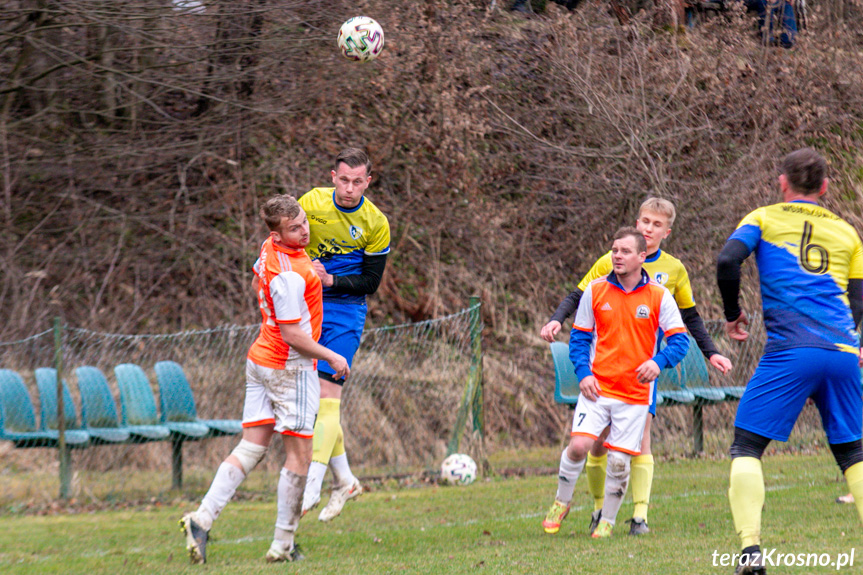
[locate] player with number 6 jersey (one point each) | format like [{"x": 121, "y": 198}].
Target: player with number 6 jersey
[
  {"x": 810, "y": 266},
  {"x": 805, "y": 256}
]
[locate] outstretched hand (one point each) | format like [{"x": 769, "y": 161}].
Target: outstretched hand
[
  {"x": 550, "y": 330},
  {"x": 720, "y": 362}
]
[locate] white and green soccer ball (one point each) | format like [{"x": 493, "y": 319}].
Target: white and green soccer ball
[
  {"x": 361, "y": 39},
  {"x": 458, "y": 469}
]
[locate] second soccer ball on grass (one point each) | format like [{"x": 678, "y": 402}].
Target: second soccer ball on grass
[{"x": 458, "y": 469}]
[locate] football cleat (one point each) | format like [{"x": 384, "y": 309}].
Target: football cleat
[
  {"x": 555, "y": 516},
  {"x": 638, "y": 526},
  {"x": 196, "y": 538},
  {"x": 309, "y": 504},
  {"x": 338, "y": 498},
  {"x": 751, "y": 563},
  {"x": 594, "y": 521},
  {"x": 845, "y": 498},
  {"x": 276, "y": 554},
  {"x": 602, "y": 531}
]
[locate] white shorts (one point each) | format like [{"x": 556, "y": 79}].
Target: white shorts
[
  {"x": 288, "y": 398},
  {"x": 627, "y": 422}
]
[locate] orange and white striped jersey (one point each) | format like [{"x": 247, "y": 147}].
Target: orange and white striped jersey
[
  {"x": 625, "y": 326},
  {"x": 289, "y": 291}
]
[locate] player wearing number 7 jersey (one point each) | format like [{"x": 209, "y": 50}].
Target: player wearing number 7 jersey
[{"x": 810, "y": 265}]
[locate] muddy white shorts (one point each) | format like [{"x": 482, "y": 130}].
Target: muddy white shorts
[
  {"x": 627, "y": 422},
  {"x": 288, "y": 398}
]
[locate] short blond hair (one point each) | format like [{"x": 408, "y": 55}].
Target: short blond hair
[
  {"x": 659, "y": 206},
  {"x": 278, "y": 207}
]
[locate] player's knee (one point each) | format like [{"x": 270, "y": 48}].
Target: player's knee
[
  {"x": 748, "y": 444},
  {"x": 847, "y": 454},
  {"x": 618, "y": 465},
  {"x": 578, "y": 449},
  {"x": 249, "y": 454}
]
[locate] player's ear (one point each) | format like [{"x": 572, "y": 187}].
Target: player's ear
[
  {"x": 823, "y": 188},
  {"x": 783, "y": 184}
]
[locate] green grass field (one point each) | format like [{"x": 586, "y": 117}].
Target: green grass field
[{"x": 492, "y": 526}]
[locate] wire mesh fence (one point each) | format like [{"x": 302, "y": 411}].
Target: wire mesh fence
[
  {"x": 672, "y": 430},
  {"x": 407, "y": 398},
  {"x": 400, "y": 407}
]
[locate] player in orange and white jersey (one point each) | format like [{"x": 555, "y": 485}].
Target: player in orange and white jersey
[
  {"x": 282, "y": 390},
  {"x": 612, "y": 347}
]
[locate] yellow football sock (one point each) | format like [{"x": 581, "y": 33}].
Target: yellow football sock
[
  {"x": 327, "y": 430},
  {"x": 746, "y": 495},
  {"x": 854, "y": 477},
  {"x": 339, "y": 446},
  {"x": 642, "y": 481},
  {"x": 595, "y": 471}
]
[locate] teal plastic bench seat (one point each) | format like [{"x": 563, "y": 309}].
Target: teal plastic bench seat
[
  {"x": 98, "y": 412},
  {"x": 177, "y": 403},
  {"x": 565, "y": 383},
  {"x": 97, "y": 404},
  {"x": 46, "y": 383},
  {"x": 18, "y": 419},
  {"x": 138, "y": 405}
]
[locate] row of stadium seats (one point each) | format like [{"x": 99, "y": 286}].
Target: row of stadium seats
[
  {"x": 685, "y": 384},
  {"x": 177, "y": 420}
]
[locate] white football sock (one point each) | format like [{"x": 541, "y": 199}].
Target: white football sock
[
  {"x": 288, "y": 507},
  {"x": 225, "y": 483},
  {"x": 616, "y": 482},
  {"x": 313, "y": 483},
  {"x": 341, "y": 470},
  {"x": 567, "y": 476}
]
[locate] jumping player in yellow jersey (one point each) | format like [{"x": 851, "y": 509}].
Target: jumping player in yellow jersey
[
  {"x": 350, "y": 240},
  {"x": 810, "y": 267},
  {"x": 655, "y": 218}
]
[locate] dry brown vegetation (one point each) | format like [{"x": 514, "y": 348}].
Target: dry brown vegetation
[{"x": 136, "y": 142}]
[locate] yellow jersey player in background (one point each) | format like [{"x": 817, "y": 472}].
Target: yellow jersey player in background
[
  {"x": 810, "y": 267},
  {"x": 350, "y": 240},
  {"x": 655, "y": 218}
]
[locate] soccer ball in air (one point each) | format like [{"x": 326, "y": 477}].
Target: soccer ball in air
[
  {"x": 361, "y": 38},
  {"x": 458, "y": 469}
]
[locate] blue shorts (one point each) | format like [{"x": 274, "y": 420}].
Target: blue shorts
[
  {"x": 652, "y": 409},
  {"x": 785, "y": 379},
  {"x": 341, "y": 331}
]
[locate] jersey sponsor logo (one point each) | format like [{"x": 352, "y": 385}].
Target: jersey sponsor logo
[
  {"x": 316, "y": 218},
  {"x": 642, "y": 312},
  {"x": 356, "y": 232},
  {"x": 809, "y": 211},
  {"x": 661, "y": 278},
  {"x": 605, "y": 307}
]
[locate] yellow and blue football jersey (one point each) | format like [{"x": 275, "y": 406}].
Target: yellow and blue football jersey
[
  {"x": 663, "y": 268},
  {"x": 340, "y": 237},
  {"x": 805, "y": 255}
]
